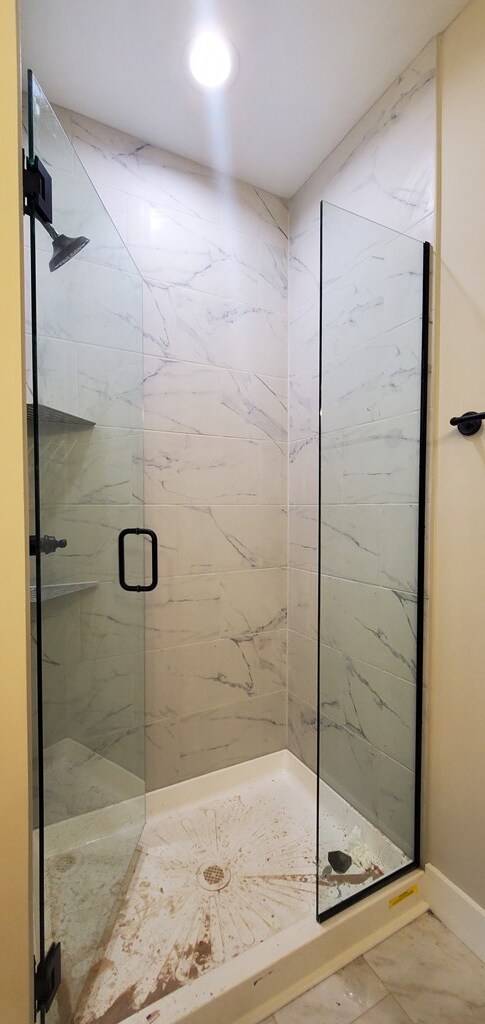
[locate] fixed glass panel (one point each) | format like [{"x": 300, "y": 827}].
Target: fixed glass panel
[
  {"x": 85, "y": 419},
  {"x": 372, "y": 419}
]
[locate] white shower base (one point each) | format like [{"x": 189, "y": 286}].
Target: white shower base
[{"x": 225, "y": 887}]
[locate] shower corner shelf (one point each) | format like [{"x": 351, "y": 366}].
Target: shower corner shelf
[
  {"x": 51, "y": 590},
  {"x": 47, "y": 414}
]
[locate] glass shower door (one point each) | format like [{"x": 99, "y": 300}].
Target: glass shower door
[
  {"x": 373, "y": 383},
  {"x": 85, "y": 420}
]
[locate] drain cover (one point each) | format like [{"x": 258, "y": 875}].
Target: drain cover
[{"x": 213, "y": 876}]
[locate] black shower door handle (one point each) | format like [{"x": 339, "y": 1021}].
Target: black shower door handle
[{"x": 138, "y": 588}]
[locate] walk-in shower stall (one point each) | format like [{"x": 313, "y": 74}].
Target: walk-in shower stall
[{"x": 201, "y": 787}]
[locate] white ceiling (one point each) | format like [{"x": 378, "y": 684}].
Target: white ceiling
[{"x": 309, "y": 69}]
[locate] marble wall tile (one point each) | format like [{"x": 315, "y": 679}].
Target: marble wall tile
[
  {"x": 188, "y": 468},
  {"x": 112, "y": 622},
  {"x": 384, "y": 169},
  {"x": 91, "y": 532},
  {"x": 302, "y": 667},
  {"x": 351, "y": 541},
  {"x": 183, "y": 610},
  {"x": 126, "y": 748},
  {"x": 57, "y": 374},
  {"x": 104, "y": 695},
  {"x": 202, "y": 538},
  {"x": 378, "y": 295},
  {"x": 303, "y": 537},
  {"x": 304, "y": 404},
  {"x": 375, "y": 705},
  {"x": 202, "y": 676},
  {"x": 302, "y": 731},
  {"x": 232, "y": 734},
  {"x": 273, "y": 277},
  {"x": 374, "y": 624},
  {"x": 304, "y": 265},
  {"x": 253, "y": 406},
  {"x": 372, "y": 383},
  {"x": 98, "y": 465},
  {"x": 94, "y": 305},
  {"x": 181, "y": 249},
  {"x": 162, "y": 753},
  {"x": 180, "y": 396},
  {"x": 374, "y": 463},
  {"x": 303, "y": 471},
  {"x": 253, "y": 602},
  {"x": 302, "y": 602},
  {"x": 304, "y": 337},
  {"x": 376, "y": 785},
  {"x": 110, "y": 386},
  {"x": 180, "y": 323}
]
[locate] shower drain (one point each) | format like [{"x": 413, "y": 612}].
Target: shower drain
[{"x": 213, "y": 876}]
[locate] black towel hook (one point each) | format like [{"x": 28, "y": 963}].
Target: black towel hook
[{"x": 468, "y": 424}]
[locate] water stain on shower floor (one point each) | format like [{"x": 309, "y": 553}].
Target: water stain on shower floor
[{"x": 215, "y": 877}]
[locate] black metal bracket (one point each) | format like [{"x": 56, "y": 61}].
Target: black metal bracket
[
  {"x": 468, "y": 424},
  {"x": 47, "y": 979},
  {"x": 138, "y": 588},
  {"x": 37, "y": 190},
  {"x": 45, "y": 545}
]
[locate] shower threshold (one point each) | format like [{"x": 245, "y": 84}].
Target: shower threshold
[{"x": 218, "y": 921}]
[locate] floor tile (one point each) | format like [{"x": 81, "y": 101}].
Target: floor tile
[
  {"x": 340, "y": 999},
  {"x": 387, "y": 1011},
  {"x": 434, "y": 977}
]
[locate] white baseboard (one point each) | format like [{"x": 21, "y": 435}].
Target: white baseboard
[{"x": 464, "y": 917}]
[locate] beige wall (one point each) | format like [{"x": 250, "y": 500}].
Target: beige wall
[
  {"x": 15, "y": 951},
  {"x": 456, "y": 807}
]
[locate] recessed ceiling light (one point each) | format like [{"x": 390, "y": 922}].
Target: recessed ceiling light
[{"x": 212, "y": 60}]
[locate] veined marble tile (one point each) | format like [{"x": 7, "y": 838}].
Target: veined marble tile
[
  {"x": 253, "y": 406},
  {"x": 253, "y": 602},
  {"x": 304, "y": 267},
  {"x": 189, "y": 468},
  {"x": 349, "y": 240},
  {"x": 302, "y": 731},
  {"x": 431, "y": 973},
  {"x": 304, "y": 338},
  {"x": 376, "y": 382},
  {"x": 162, "y": 753},
  {"x": 126, "y": 748},
  {"x": 91, "y": 532},
  {"x": 180, "y": 249},
  {"x": 99, "y": 465},
  {"x": 303, "y": 471},
  {"x": 181, "y": 323},
  {"x": 377, "y": 706},
  {"x": 205, "y": 538},
  {"x": 302, "y": 667},
  {"x": 303, "y": 537},
  {"x": 384, "y": 168},
  {"x": 253, "y": 210},
  {"x": 57, "y": 374},
  {"x": 112, "y": 621},
  {"x": 89, "y": 304},
  {"x": 374, "y": 463},
  {"x": 359, "y": 543},
  {"x": 273, "y": 277},
  {"x": 378, "y": 295},
  {"x": 302, "y": 602},
  {"x": 183, "y": 610},
  {"x": 110, "y": 386},
  {"x": 376, "y": 785},
  {"x": 228, "y": 735},
  {"x": 273, "y": 468},
  {"x": 104, "y": 695},
  {"x": 51, "y": 143},
  {"x": 340, "y": 999},
  {"x": 185, "y": 680},
  {"x": 304, "y": 403},
  {"x": 181, "y": 396},
  {"x": 371, "y": 623}
]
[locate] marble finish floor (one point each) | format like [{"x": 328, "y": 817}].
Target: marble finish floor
[
  {"x": 218, "y": 875},
  {"x": 421, "y": 975}
]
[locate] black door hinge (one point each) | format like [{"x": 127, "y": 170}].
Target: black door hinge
[
  {"x": 47, "y": 979},
  {"x": 44, "y": 545},
  {"x": 37, "y": 190}
]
